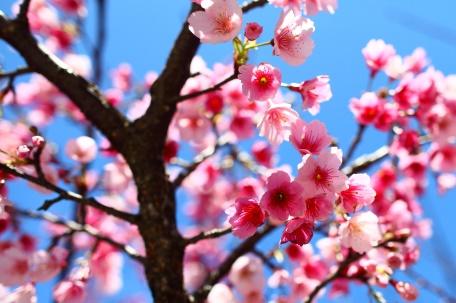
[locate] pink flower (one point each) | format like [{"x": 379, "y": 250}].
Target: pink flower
[
  {"x": 314, "y": 92},
  {"x": 309, "y": 138},
  {"x": 242, "y": 125},
  {"x": 70, "y": 291},
  {"x": 247, "y": 218},
  {"x": 263, "y": 153},
  {"x": 221, "y": 21},
  {"x": 298, "y": 231},
  {"x": 15, "y": 265},
  {"x": 358, "y": 194},
  {"x": 72, "y": 6},
  {"x": 277, "y": 121},
  {"x": 322, "y": 174},
  {"x": 292, "y": 39},
  {"x": 247, "y": 274},
  {"x": 287, "y": 5},
  {"x": 121, "y": 77},
  {"x": 260, "y": 82},
  {"x": 368, "y": 108},
  {"x": 318, "y": 207},
  {"x": 282, "y": 197},
  {"x": 361, "y": 232},
  {"x": 416, "y": 61},
  {"x": 253, "y": 30},
  {"x": 312, "y": 7},
  {"x": 377, "y": 53},
  {"x": 443, "y": 158},
  {"x": 23, "y": 151},
  {"x": 407, "y": 291},
  {"x": 23, "y": 294},
  {"x": 220, "y": 293},
  {"x": 82, "y": 149}
]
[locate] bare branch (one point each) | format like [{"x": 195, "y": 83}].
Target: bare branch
[
  {"x": 86, "y": 96},
  {"x": 253, "y": 4},
  {"x": 23, "y": 10},
  {"x": 76, "y": 227},
  {"x": 207, "y": 90},
  {"x": 17, "y": 72},
  {"x": 68, "y": 195},
  {"x": 354, "y": 143},
  {"x": 367, "y": 160},
  {"x": 211, "y": 234}
]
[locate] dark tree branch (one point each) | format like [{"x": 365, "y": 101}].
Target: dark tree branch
[
  {"x": 86, "y": 96},
  {"x": 354, "y": 144},
  {"x": 253, "y": 4},
  {"x": 211, "y": 234},
  {"x": 365, "y": 161},
  {"x": 18, "y": 72},
  {"x": 245, "y": 247},
  {"x": 68, "y": 195},
  {"x": 73, "y": 227},
  {"x": 23, "y": 10}
]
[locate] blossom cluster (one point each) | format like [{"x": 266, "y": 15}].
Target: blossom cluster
[{"x": 325, "y": 209}]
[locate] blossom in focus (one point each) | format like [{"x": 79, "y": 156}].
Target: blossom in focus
[
  {"x": 309, "y": 138},
  {"x": 247, "y": 218},
  {"x": 220, "y": 21},
  {"x": 252, "y": 31},
  {"x": 358, "y": 194},
  {"x": 277, "y": 121},
  {"x": 283, "y": 197},
  {"x": 260, "y": 82},
  {"x": 322, "y": 174},
  {"x": 292, "y": 38},
  {"x": 313, "y": 92},
  {"x": 82, "y": 149},
  {"x": 361, "y": 232},
  {"x": 298, "y": 231}
]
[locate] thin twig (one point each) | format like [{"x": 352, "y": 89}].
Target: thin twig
[
  {"x": 356, "y": 139},
  {"x": 207, "y": 90},
  {"x": 17, "y": 72},
  {"x": 211, "y": 234},
  {"x": 245, "y": 247},
  {"x": 253, "y": 4},
  {"x": 422, "y": 282},
  {"x": 76, "y": 227},
  {"x": 68, "y": 195},
  {"x": 340, "y": 272},
  {"x": 199, "y": 159}
]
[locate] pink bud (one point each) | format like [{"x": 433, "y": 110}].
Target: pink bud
[
  {"x": 23, "y": 151},
  {"x": 253, "y": 30},
  {"x": 82, "y": 149},
  {"x": 38, "y": 141},
  {"x": 406, "y": 290}
]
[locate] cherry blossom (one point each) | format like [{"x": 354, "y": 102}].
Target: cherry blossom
[
  {"x": 292, "y": 38},
  {"x": 358, "y": 194},
  {"x": 322, "y": 174},
  {"x": 361, "y": 232},
  {"x": 311, "y": 138},
  {"x": 220, "y": 21},
  {"x": 283, "y": 196},
  {"x": 82, "y": 149},
  {"x": 253, "y": 30},
  {"x": 247, "y": 218},
  {"x": 377, "y": 54},
  {"x": 298, "y": 231},
  {"x": 313, "y": 92},
  {"x": 277, "y": 121},
  {"x": 259, "y": 82}
]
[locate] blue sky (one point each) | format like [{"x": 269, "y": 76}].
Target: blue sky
[{"x": 142, "y": 32}]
